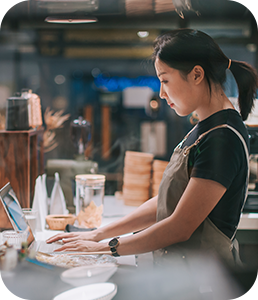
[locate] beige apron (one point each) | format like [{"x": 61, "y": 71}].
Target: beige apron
[{"x": 207, "y": 238}]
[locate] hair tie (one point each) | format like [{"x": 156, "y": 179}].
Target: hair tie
[{"x": 229, "y": 63}]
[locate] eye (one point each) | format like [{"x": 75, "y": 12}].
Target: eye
[{"x": 164, "y": 81}]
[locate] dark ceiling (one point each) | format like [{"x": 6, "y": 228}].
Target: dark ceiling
[
  {"x": 123, "y": 13},
  {"x": 114, "y": 35}
]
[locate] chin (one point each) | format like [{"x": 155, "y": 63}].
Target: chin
[{"x": 182, "y": 114}]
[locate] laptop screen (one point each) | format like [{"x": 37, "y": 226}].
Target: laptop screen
[{"x": 14, "y": 211}]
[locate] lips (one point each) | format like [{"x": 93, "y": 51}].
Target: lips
[{"x": 170, "y": 104}]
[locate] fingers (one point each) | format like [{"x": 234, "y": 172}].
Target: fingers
[
  {"x": 53, "y": 239},
  {"x": 58, "y": 237},
  {"x": 69, "y": 247},
  {"x": 69, "y": 240},
  {"x": 79, "y": 246},
  {"x": 63, "y": 248}
]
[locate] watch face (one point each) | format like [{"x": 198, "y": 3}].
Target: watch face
[{"x": 113, "y": 242}]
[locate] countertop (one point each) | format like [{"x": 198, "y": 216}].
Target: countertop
[{"x": 136, "y": 277}]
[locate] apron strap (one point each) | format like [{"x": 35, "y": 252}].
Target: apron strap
[{"x": 187, "y": 150}]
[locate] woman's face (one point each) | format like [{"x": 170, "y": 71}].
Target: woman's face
[{"x": 179, "y": 93}]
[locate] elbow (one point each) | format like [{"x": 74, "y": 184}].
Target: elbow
[
  {"x": 185, "y": 236},
  {"x": 180, "y": 238}
]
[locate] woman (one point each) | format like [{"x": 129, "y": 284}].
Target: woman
[{"x": 204, "y": 186}]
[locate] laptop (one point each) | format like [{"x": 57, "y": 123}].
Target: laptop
[{"x": 12, "y": 217}]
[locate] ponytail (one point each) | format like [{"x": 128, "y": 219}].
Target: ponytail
[{"x": 247, "y": 82}]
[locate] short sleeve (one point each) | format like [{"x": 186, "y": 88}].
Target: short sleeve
[{"x": 219, "y": 156}]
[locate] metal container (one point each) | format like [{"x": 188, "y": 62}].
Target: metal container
[{"x": 17, "y": 113}]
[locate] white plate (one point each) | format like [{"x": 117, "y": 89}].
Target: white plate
[
  {"x": 97, "y": 291},
  {"x": 88, "y": 274}
]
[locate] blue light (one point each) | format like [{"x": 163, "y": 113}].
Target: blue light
[{"x": 116, "y": 84}]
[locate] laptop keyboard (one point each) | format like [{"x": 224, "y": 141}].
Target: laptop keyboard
[{"x": 42, "y": 246}]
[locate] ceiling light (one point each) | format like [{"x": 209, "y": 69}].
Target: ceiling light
[
  {"x": 71, "y": 19},
  {"x": 143, "y": 34}
]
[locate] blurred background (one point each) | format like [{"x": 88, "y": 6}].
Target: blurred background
[
  {"x": 103, "y": 71},
  {"x": 92, "y": 59}
]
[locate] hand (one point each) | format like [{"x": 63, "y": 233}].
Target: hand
[
  {"x": 83, "y": 246},
  {"x": 69, "y": 237}
]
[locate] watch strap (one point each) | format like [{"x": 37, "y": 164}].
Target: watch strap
[{"x": 113, "y": 244}]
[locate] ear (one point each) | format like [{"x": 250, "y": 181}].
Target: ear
[{"x": 197, "y": 74}]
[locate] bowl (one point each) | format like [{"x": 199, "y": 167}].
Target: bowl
[
  {"x": 89, "y": 274},
  {"x": 97, "y": 291},
  {"x": 59, "y": 222}
]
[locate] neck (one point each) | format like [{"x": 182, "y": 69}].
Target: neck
[{"x": 214, "y": 102}]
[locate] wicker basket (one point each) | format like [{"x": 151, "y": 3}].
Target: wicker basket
[{"x": 59, "y": 222}]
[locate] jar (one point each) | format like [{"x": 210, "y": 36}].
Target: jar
[
  {"x": 89, "y": 187},
  {"x": 14, "y": 238}
]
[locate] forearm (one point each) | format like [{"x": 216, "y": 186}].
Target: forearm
[
  {"x": 196, "y": 203},
  {"x": 157, "y": 236},
  {"x": 143, "y": 217},
  {"x": 198, "y": 200}
]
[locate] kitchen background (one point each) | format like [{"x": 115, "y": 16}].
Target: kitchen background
[{"x": 103, "y": 71}]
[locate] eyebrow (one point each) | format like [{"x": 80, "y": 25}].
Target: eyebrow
[{"x": 162, "y": 73}]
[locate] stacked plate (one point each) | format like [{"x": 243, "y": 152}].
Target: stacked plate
[
  {"x": 158, "y": 169},
  {"x": 137, "y": 177}
]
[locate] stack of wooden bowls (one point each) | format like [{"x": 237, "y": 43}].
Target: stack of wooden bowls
[
  {"x": 137, "y": 177},
  {"x": 158, "y": 169}
]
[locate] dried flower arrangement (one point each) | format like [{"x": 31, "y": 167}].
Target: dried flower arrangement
[{"x": 53, "y": 120}]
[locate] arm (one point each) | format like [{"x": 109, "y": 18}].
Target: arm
[
  {"x": 143, "y": 217},
  {"x": 198, "y": 200}
]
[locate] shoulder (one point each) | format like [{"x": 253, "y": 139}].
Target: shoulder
[
  {"x": 222, "y": 146},
  {"x": 224, "y": 140},
  {"x": 228, "y": 117},
  {"x": 233, "y": 134}
]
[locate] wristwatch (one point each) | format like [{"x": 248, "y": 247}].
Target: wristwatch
[{"x": 113, "y": 244}]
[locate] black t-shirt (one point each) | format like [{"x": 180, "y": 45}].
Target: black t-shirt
[{"x": 220, "y": 156}]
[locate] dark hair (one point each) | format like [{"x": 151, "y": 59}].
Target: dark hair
[{"x": 182, "y": 49}]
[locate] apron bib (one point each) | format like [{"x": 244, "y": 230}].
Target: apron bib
[{"x": 207, "y": 238}]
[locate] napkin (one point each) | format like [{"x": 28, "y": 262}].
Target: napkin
[
  {"x": 44, "y": 190},
  {"x": 57, "y": 199},
  {"x": 40, "y": 203}
]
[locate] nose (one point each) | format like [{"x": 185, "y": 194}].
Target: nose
[{"x": 162, "y": 93}]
